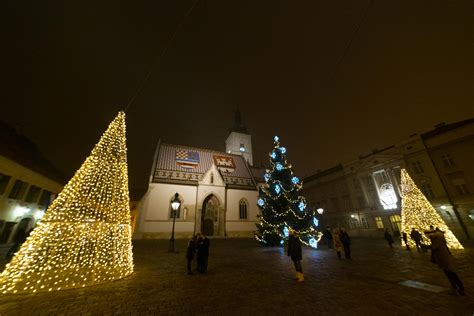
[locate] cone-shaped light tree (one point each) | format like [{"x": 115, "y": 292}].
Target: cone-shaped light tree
[
  {"x": 418, "y": 213},
  {"x": 282, "y": 206},
  {"x": 84, "y": 237}
]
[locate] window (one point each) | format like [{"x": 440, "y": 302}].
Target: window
[
  {"x": 360, "y": 201},
  {"x": 396, "y": 223},
  {"x": 447, "y": 160},
  {"x": 335, "y": 204},
  {"x": 418, "y": 167},
  {"x": 378, "y": 222},
  {"x": 18, "y": 191},
  {"x": 242, "y": 209},
  {"x": 45, "y": 198},
  {"x": 462, "y": 189},
  {"x": 33, "y": 194},
  {"x": 426, "y": 189},
  {"x": 4, "y": 179},
  {"x": 364, "y": 222},
  {"x": 212, "y": 178},
  {"x": 242, "y": 148}
]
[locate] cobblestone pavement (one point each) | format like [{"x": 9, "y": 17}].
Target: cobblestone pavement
[{"x": 246, "y": 279}]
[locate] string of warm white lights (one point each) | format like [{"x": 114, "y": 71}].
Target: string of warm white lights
[
  {"x": 84, "y": 237},
  {"x": 418, "y": 213}
]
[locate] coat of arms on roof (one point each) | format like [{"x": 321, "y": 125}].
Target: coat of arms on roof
[
  {"x": 224, "y": 163},
  {"x": 187, "y": 159}
]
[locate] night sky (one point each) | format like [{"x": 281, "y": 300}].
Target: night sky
[{"x": 331, "y": 83}]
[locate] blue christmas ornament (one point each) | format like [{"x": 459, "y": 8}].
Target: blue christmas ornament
[
  {"x": 286, "y": 231},
  {"x": 315, "y": 222},
  {"x": 276, "y": 139},
  {"x": 273, "y": 155},
  {"x": 295, "y": 180},
  {"x": 260, "y": 202},
  {"x": 301, "y": 206},
  {"x": 279, "y": 167},
  {"x": 282, "y": 150},
  {"x": 266, "y": 177},
  {"x": 313, "y": 243},
  {"x": 277, "y": 189}
]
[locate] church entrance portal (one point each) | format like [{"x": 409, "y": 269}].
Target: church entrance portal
[{"x": 210, "y": 216}]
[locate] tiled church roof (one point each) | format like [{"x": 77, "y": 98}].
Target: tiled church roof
[{"x": 189, "y": 164}]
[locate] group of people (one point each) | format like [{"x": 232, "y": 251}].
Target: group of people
[
  {"x": 440, "y": 253},
  {"x": 338, "y": 239},
  {"x": 198, "y": 247}
]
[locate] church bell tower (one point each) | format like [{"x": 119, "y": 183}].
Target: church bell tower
[{"x": 239, "y": 141}]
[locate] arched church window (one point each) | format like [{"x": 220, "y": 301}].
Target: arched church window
[
  {"x": 212, "y": 178},
  {"x": 242, "y": 209}
]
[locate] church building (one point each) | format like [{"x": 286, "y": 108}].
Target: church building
[{"x": 217, "y": 190}]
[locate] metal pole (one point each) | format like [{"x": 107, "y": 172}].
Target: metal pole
[{"x": 171, "y": 246}]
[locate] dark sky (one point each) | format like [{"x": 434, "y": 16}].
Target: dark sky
[{"x": 69, "y": 66}]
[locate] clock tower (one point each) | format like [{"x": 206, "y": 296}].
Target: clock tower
[{"x": 239, "y": 141}]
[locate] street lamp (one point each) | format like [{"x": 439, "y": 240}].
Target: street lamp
[
  {"x": 175, "y": 204},
  {"x": 320, "y": 211}
]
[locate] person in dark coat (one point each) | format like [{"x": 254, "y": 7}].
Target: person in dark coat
[
  {"x": 416, "y": 236},
  {"x": 441, "y": 255},
  {"x": 346, "y": 243},
  {"x": 328, "y": 237},
  {"x": 405, "y": 240},
  {"x": 190, "y": 251},
  {"x": 294, "y": 252},
  {"x": 388, "y": 237},
  {"x": 203, "y": 244}
]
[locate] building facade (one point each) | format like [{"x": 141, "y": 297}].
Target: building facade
[
  {"x": 217, "y": 190},
  {"x": 28, "y": 184},
  {"x": 364, "y": 195}
]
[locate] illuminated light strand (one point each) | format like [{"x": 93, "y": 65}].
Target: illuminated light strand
[
  {"x": 285, "y": 204},
  {"x": 417, "y": 212},
  {"x": 85, "y": 235}
]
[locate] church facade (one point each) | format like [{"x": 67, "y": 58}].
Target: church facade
[{"x": 217, "y": 190}]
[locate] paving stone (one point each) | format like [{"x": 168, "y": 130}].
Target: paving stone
[{"x": 246, "y": 279}]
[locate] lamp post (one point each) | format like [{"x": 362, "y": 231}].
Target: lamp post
[
  {"x": 175, "y": 204},
  {"x": 320, "y": 211}
]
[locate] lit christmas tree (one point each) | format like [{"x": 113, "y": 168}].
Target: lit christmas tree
[
  {"x": 84, "y": 237},
  {"x": 418, "y": 213},
  {"x": 282, "y": 207}
]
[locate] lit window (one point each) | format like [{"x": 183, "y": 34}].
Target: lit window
[
  {"x": 396, "y": 222},
  {"x": 447, "y": 160},
  {"x": 378, "y": 222},
  {"x": 242, "y": 148},
  {"x": 242, "y": 209}
]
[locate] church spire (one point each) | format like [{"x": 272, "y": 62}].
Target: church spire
[{"x": 239, "y": 126}]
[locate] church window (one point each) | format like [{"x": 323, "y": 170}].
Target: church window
[
  {"x": 212, "y": 178},
  {"x": 242, "y": 209}
]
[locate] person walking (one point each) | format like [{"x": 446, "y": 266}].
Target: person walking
[
  {"x": 203, "y": 244},
  {"x": 328, "y": 237},
  {"x": 441, "y": 255},
  {"x": 294, "y": 252},
  {"x": 346, "y": 243},
  {"x": 405, "y": 240},
  {"x": 190, "y": 251},
  {"x": 388, "y": 237},
  {"x": 337, "y": 242},
  {"x": 416, "y": 236}
]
